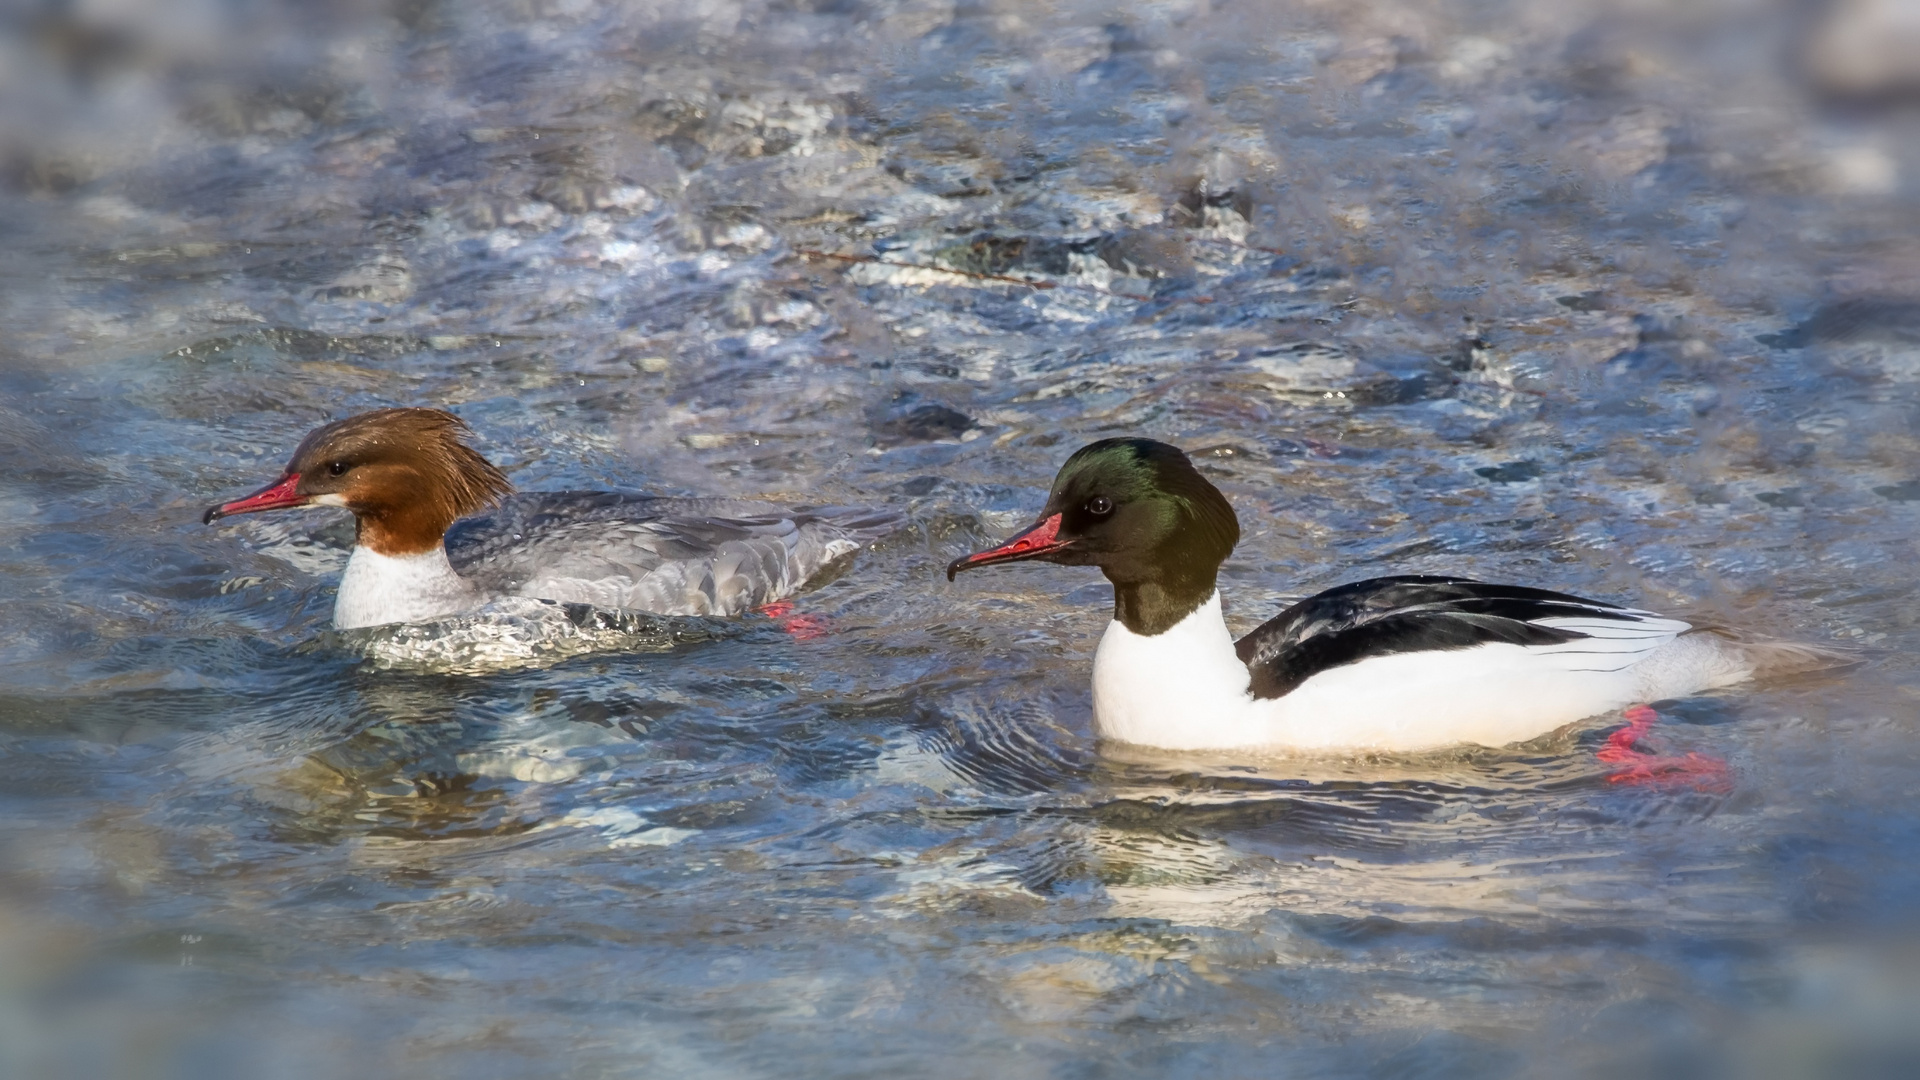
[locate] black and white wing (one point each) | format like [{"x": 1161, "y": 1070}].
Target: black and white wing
[
  {"x": 1409, "y": 614},
  {"x": 664, "y": 555}
]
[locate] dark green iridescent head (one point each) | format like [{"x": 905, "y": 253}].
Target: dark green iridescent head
[{"x": 1142, "y": 513}]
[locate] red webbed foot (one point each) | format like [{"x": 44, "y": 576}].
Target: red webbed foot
[
  {"x": 802, "y": 627},
  {"x": 1698, "y": 771}
]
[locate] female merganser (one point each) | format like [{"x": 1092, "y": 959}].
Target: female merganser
[
  {"x": 1392, "y": 664},
  {"x": 407, "y": 477}
]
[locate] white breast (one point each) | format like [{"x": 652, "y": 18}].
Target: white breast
[
  {"x": 379, "y": 589},
  {"x": 1182, "y": 689}
]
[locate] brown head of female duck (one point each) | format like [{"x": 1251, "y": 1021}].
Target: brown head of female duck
[{"x": 407, "y": 476}]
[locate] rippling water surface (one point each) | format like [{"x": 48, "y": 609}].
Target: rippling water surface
[{"x": 1627, "y": 304}]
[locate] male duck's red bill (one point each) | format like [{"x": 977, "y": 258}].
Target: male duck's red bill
[{"x": 1040, "y": 540}]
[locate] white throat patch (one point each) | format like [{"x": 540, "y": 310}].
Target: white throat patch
[{"x": 379, "y": 589}]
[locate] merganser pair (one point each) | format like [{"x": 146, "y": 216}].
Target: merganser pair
[
  {"x": 1389, "y": 664},
  {"x": 408, "y": 476}
]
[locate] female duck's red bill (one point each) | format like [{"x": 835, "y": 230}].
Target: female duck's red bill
[
  {"x": 1043, "y": 538},
  {"x": 280, "y": 493}
]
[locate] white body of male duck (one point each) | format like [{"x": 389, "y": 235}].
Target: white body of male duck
[
  {"x": 1389, "y": 664},
  {"x": 408, "y": 477}
]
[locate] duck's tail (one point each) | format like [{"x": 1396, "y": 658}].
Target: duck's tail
[
  {"x": 1781, "y": 659},
  {"x": 860, "y": 524},
  {"x": 1790, "y": 659}
]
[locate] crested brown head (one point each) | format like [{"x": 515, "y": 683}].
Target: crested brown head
[{"x": 405, "y": 473}]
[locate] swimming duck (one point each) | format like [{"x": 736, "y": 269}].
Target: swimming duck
[
  {"x": 1390, "y": 664},
  {"x": 408, "y": 476}
]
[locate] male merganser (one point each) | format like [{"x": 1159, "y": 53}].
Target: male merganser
[
  {"x": 407, "y": 477},
  {"x": 1392, "y": 664}
]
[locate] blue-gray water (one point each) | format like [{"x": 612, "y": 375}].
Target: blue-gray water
[{"x": 1626, "y": 304}]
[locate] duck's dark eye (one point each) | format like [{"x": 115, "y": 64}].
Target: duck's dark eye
[
  {"x": 1099, "y": 506},
  {"x": 337, "y": 468}
]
